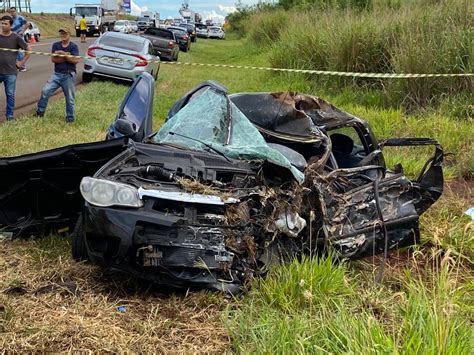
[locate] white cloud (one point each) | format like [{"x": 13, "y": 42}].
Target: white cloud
[
  {"x": 227, "y": 9},
  {"x": 212, "y": 15}
]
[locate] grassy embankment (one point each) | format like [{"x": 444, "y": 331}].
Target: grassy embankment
[{"x": 424, "y": 303}]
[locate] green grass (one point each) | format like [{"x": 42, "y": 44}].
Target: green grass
[
  {"x": 423, "y": 305},
  {"x": 321, "y": 306}
]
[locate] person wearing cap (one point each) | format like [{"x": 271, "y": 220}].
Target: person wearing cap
[
  {"x": 64, "y": 75},
  {"x": 9, "y": 64}
]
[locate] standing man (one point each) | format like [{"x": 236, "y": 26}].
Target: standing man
[
  {"x": 8, "y": 61},
  {"x": 83, "y": 28},
  {"x": 19, "y": 27},
  {"x": 64, "y": 75}
]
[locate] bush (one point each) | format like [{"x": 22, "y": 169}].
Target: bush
[{"x": 265, "y": 27}]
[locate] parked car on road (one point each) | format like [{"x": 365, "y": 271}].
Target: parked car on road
[
  {"x": 231, "y": 185},
  {"x": 120, "y": 56},
  {"x": 133, "y": 26},
  {"x": 122, "y": 26},
  {"x": 216, "y": 32},
  {"x": 191, "y": 30},
  {"x": 32, "y": 30},
  {"x": 202, "y": 30},
  {"x": 182, "y": 37},
  {"x": 164, "y": 42}
]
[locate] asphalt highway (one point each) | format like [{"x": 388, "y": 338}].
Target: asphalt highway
[{"x": 40, "y": 68}]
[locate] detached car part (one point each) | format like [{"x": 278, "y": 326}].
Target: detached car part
[{"x": 230, "y": 185}]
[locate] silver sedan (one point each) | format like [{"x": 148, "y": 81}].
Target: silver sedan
[{"x": 120, "y": 56}]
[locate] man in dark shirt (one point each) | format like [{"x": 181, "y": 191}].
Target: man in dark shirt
[
  {"x": 64, "y": 75},
  {"x": 8, "y": 63}
]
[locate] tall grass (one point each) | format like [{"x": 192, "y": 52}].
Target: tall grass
[
  {"x": 407, "y": 37},
  {"x": 296, "y": 310}
]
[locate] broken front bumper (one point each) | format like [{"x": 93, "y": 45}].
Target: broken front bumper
[{"x": 160, "y": 247}]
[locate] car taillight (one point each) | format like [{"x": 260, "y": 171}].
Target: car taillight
[
  {"x": 143, "y": 61},
  {"x": 170, "y": 44},
  {"x": 91, "y": 51}
]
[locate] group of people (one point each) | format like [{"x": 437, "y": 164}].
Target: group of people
[{"x": 12, "y": 60}]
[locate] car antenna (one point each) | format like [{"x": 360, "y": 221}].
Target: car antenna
[{"x": 204, "y": 143}]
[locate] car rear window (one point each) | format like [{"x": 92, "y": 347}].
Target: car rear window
[
  {"x": 159, "y": 33},
  {"x": 121, "y": 43}
]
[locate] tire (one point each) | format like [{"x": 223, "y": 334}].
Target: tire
[
  {"x": 78, "y": 242},
  {"x": 78, "y": 34},
  {"x": 86, "y": 77},
  {"x": 37, "y": 37}
]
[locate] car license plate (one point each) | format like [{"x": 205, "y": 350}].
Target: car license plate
[{"x": 116, "y": 61}]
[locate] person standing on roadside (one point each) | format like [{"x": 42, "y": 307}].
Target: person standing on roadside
[
  {"x": 19, "y": 27},
  {"x": 8, "y": 61},
  {"x": 64, "y": 75},
  {"x": 83, "y": 28}
]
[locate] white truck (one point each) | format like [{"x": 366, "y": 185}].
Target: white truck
[
  {"x": 99, "y": 17},
  {"x": 153, "y": 18}
]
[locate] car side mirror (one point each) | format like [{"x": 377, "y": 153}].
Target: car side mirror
[
  {"x": 70, "y": 11},
  {"x": 126, "y": 127}
]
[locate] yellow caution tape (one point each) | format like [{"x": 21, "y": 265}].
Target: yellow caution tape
[{"x": 288, "y": 70}]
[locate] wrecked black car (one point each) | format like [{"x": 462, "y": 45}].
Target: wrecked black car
[{"x": 230, "y": 184}]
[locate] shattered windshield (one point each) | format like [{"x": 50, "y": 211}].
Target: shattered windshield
[{"x": 204, "y": 121}]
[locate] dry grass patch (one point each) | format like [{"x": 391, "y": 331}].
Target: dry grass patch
[{"x": 49, "y": 302}]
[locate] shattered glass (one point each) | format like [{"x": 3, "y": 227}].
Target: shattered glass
[{"x": 204, "y": 120}]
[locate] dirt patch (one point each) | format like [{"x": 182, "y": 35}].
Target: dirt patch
[{"x": 49, "y": 302}]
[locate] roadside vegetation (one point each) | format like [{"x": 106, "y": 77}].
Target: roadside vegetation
[
  {"x": 374, "y": 36},
  {"x": 424, "y": 303}
]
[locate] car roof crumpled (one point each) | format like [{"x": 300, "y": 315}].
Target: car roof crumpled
[{"x": 204, "y": 118}]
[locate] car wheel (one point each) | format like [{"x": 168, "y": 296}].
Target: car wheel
[
  {"x": 78, "y": 242},
  {"x": 37, "y": 37},
  {"x": 86, "y": 77}
]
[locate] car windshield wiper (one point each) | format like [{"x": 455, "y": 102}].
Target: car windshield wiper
[{"x": 203, "y": 143}]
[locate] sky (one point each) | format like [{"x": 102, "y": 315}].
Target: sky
[{"x": 215, "y": 10}]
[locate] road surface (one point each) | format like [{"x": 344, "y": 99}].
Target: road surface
[{"x": 30, "y": 83}]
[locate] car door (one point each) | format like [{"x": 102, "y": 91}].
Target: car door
[{"x": 135, "y": 115}]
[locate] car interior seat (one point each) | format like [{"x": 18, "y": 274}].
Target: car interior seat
[{"x": 342, "y": 147}]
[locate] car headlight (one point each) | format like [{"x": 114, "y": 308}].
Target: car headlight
[{"x": 105, "y": 193}]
